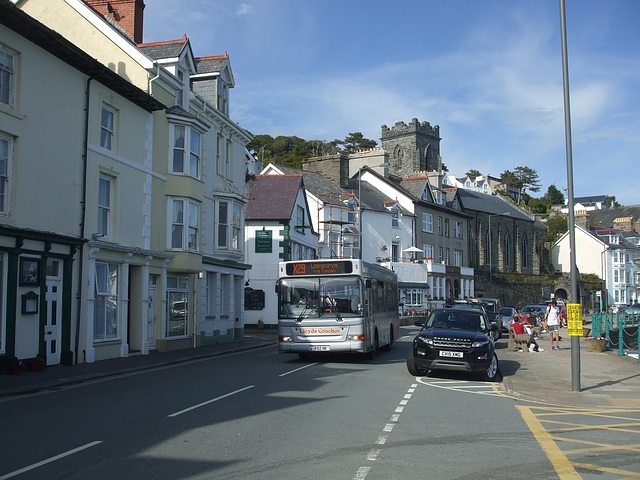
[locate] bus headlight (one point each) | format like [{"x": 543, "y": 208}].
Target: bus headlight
[
  {"x": 284, "y": 338},
  {"x": 356, "y": 338}
]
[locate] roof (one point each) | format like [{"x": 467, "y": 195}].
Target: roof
[
  {"x": 607, "y": 217},
  {"x": 315, "y": 182},
  {"x": 492, "y": 204},
  {"x": 271, "y": 197},
  {"x": 54, "y": 43},
  {"x": 212, "y": 64},
  {"x": 165, "y": 49}
]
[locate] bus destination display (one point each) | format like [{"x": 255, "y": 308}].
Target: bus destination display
[{"x": 319, "y": 268}]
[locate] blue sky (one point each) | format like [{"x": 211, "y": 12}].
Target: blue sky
[{"x": 489, "y": 72}]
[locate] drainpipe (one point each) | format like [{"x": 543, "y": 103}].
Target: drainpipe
[{"x": 85, "y": 157}]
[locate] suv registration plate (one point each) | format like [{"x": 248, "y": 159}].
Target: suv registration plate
[
  {"x": 451, "y": 354},
  {"x": 320, "y": 348}
]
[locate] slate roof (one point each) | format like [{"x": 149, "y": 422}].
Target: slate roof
[
  {"x": 625, "y": 238},
  {"x": 315, "y": 182},
  {"x": 271, "y": 197},
  {"x": 212, "y": 64},
  {"x": 167, "y": 49},
  {"x": 493, "y": 204},
  {"x": 606, "y": 217}
]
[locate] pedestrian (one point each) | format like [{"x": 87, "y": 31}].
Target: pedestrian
[
  {"x": 553, "y": 324},
  {"x": 534, "y": 347}
]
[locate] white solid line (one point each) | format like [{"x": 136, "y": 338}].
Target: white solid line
[
  {"x": 49, "y": 460},
  {"x": 297, "y": 369},
  {"x": 209, "y": 401}
]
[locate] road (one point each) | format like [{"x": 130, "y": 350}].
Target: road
[{"x": 261, "y": 415}]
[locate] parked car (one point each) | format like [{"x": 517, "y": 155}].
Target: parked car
[
  {"x": 508, "y": 313},
  {"x": 456, "y": 339},
  {"x": 494, "y": 309},
  {"x": 537, "y": 313},
  {"x": 632, "y": 311},
  {"x": 478, "y": 305}
]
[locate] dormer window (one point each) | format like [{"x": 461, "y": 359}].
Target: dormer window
[
  {"x": 395, "y": 218},
  {"x": 614, "y": 239}
]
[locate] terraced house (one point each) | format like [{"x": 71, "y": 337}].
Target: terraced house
[{"x": 161, "y": 258}]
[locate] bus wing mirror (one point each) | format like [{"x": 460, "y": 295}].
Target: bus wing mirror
[{"x": 367, "y": 283}]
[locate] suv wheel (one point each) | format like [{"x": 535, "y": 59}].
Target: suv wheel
[
  {"x": 492, "y": 371},
  {"x": 412, "y": 367}
]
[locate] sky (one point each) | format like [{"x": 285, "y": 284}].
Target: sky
[{"x": 488, "y": 72}]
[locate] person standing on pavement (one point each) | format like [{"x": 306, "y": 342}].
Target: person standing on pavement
[{"x": 553, "y": 325}]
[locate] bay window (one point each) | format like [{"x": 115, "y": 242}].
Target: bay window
[
  {"x": 184, "y": 224},
  {"x": 186, "y": 157}
]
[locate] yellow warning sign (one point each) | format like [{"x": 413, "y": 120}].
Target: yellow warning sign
[{"x": 574, "y": 319}]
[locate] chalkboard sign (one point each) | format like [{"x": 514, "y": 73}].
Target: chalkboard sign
[{"x": 253, "y": 299}]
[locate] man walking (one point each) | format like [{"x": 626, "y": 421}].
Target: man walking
[{"x": 553, "y": 325}]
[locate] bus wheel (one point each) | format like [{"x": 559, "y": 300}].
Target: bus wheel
[{"x": 374, "y": 348}]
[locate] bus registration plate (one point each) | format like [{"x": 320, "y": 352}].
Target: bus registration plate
[
  {"x": 451, "y": 354},
  {"x": 320, "y": 348}
]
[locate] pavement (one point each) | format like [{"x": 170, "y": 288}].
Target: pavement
[{"x": 605, "y": 379}]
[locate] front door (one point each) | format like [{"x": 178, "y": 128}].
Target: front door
[
  {"x": 151, "y": 318},
  {"x": 54, "y": 317}
]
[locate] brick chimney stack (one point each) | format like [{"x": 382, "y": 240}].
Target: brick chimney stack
[{"x": 126, "y": 13}]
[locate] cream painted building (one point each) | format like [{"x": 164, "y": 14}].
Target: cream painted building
[
  {"x": 193, "y": 195},
  {"x": 74, "y": 249}
]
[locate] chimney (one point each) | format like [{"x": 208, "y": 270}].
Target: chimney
[
  {"x": 582, "y": 219},
  {"x": 128, "y": 14},
  {"x": 334, "y": 167}
]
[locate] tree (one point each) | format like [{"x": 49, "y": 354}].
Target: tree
[
  {"x": 522, "y": 178},
  {"x": 473, "y": 174},
  {"x": 356, "y": 141},
  {"x": 553, "y": 196},
  {"x": 556, "y": 226}
]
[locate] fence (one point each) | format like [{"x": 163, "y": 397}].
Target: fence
[{"x": 610, "y": 325}]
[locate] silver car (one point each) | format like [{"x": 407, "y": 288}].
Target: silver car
[{"x": 507, "y": 317}]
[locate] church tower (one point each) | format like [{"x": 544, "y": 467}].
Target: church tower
[{"x": 412, "y": 148}]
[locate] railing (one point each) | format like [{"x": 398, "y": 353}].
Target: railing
[{"x": 620, "y": 330}]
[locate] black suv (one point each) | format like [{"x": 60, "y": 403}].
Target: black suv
[{"x": 454, "y": 339}]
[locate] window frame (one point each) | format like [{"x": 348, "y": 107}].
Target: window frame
[
  {"x": 427, "y": 222},
  {"x": 189, "y": 233},
  {"x": 177, "y": 291},
  {"x": 102, "y": 298},
  {"x": 188, "y": 151},
  {"x": 9, "y": 73},
  {"x": 105, "y": 212},
  {"x": 6, "y": 161},
  {"x": 108, "y": 132}
]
